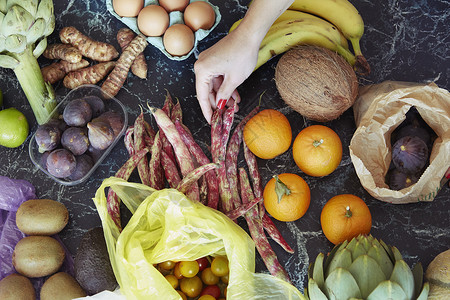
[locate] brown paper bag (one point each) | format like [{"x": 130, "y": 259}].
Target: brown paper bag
[{"x": 379, "y": 109}]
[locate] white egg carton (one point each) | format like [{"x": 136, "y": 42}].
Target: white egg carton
[{"x": 175, "y": 17}]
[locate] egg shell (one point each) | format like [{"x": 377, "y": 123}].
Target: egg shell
[
  {"x": 174, "y": 5},
  {"x": 199, "y": 15},
  {"x": 128, "y": 8},
  {"x": 153, "y": 20},
  {"x": 178, "y": 40}
]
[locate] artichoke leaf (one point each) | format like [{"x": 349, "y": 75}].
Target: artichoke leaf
[
  {"x": 418, "y": 278},
  {"x": 397, "y": 254},
  {"x": 2, "y": 16},
  {"x": 45, "y": 9},
  {"x": 340, "y": 284},
  {"x": 17, "y": 21},
  {"x": 378, "y": 253},
  {"x": 16, "y": 43},
  {"x": 3, "y": 6},
  {"x": 50, "y": 26},
  {"x": 367, "y": 273},
  {"x": 40, "y": 48},
  {"x": 388, "y": 251},
  {"x": 359, "y": 249},
  {"x": 314, "y": 292},
  {"x": 28, "y": 5},
  {"x": 403, "y": 275},
  {"x": 342, "y": 259},
  {"x": 317, "y": 272},
  {"x": 425, "y": 291},
  {"x": 333, "y": 252},
  {"x": 9, "y": 62},
  {"x": 387, "y": 290},
  {"x": 36, "y": 31}
]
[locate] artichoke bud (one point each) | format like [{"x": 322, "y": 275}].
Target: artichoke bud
[
  {"x": 16, "y": 21},
  {"x": 28, "y": 5},
  {"x": 40, "y": 48},
  {"x": 16, "y": 43},
  {"x": 2, "y": 45},
  {"x": 36, "y": 31}
]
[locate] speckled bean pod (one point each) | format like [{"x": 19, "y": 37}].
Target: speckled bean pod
[
  {"x": 202, "y": 159},
  {"x": 176, "y": 113},
  {"x": 193, "y": 176},
  {"x": 243, "y": 209},
  {"x": 156, "y": 171},
  {"x": 183, "y": 157},
  {"x": 139, "y": 144},
  {"x": 170, "y": 170},
  {"x": 128, "y": 140},
  {"x": 113, "y": 201},
  {"x": 256, "y": 229}
]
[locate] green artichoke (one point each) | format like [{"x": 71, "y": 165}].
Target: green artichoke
[
  {"x": 365, "y": 268},
  {"x": 24, "y": 27}
]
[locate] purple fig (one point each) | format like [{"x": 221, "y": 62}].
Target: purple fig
[
  {"x": 410, "y": 154},
  {"x": 75, "y": 140},
  {"x": 77, "y": 113},
  {"x": 100, "y": 134},
  {"x": 61, "y": 163}
]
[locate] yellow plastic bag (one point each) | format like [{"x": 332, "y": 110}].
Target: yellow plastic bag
[{"x": 168, "y": 226}]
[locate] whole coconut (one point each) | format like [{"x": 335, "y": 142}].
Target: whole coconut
[{"x": 316, "y": 82}]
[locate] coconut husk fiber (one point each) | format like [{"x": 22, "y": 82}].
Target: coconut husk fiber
[{"x": 316, "y": 82}]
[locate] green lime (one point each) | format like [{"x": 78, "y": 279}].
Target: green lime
[{"x": 14, "y": 128}]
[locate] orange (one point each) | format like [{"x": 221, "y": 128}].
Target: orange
[
  {"x": 344, "y": 217},
  {"x": 268, "y": 134},
  {"x": 317, "y": 150},
  {"x": 286, "y": 197}
]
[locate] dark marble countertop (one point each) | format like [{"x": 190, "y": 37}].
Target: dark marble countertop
[{"x": 403, "y": 41}]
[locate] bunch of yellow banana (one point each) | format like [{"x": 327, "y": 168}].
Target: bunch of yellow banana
[{"x": 325, "y": 23}]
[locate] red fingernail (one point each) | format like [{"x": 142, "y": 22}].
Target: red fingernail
[{"x": 222, "y": 103}]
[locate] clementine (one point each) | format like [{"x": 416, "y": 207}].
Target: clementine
[
  {"x": 317, "y": 150},
  {"x": 286, "y": 197},
  {"x": 268, "y": 134},
  {"x": 345, "y": 216}
]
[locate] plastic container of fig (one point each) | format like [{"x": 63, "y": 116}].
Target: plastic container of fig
[{"x": 111, "y": 104}]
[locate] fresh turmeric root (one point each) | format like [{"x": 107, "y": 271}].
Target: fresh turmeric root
[
  {"x": 90, "y": 48},
  {"x": 89, "y": 75},
  {"x": 115, "y": 80},
  {"x": 139, "y": 66},
  {"x": 57, "y": 70},
  {"x": 63, "y": 51}
]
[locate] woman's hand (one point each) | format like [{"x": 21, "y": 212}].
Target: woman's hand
[{"x": 221, "y": 68}]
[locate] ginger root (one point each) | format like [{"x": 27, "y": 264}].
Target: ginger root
[
  {"x": 115, "y": 80},
  {"x": 63, "y": 51},
  {"x": 57, "y": 70},
  {"x": 90, "y": 48},
  {"x": 89, "y": 75},
  {"x": 139, "y": 66}
]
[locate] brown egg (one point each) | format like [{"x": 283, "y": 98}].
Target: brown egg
[
  {"x": 128, "y": 8},
  {"x": 178, "y": 40},
  {"x": 174, "y": 5},
  {"x": 199, "y": 15},
  {"x": 153, "y": 20}
]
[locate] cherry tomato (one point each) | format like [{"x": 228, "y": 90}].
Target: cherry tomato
[
  {"x": 192, "y": 287},
  {"x": 225, "y": 279},
  {"x": 206, "y": 297},
  {"x": 183, "y": 296},
  {"x": 203, "y": 263},
  {"x": 212, "y": 290},
  {"x": 189, "y": 268},
  {"x": 167, "y": 265},
  {"x": 219, "y": 266},
  {"x": 172, "y": 280},
  {"x": 208, "y": 277},
  {"x": 176, "y": 271}
]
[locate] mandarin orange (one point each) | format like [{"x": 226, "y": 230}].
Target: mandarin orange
[{"x": 268, "y": 134}]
